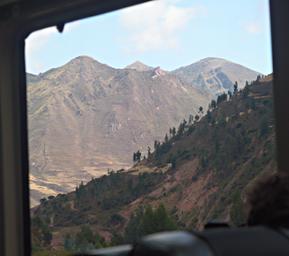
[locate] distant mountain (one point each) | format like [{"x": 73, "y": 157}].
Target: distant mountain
[
  {"x": 31, "y": 78},
  {"x": 215, "y": 75},
  {"x": 199, "y": 174},
  {"x": 86, "y": 117},
  {"x": 139, "y": 66}
]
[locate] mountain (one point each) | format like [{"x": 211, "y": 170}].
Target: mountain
[
  {"x": 199, "y": 174},
  {"x": 139, "y": 66},
  {"x": 86, "y": 117},
  {"x": 215, "y": 75},
  {"x": 31, "y": 78}
]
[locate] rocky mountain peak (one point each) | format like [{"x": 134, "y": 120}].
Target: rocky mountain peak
[
  {"x": 84, "y": 61},
  {"x": 215, "y": 75},
  {"x": 139, "y": 66},
  {"x": 213, "y": 61},
  {"x": 80, "y": 67}
]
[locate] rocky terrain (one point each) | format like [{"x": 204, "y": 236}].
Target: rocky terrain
[{"x": 86, "y": 117}]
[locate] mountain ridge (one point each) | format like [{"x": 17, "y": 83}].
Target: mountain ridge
[
  {"x": 137, "y": 62},
  {"x": 86, "y": 117}
]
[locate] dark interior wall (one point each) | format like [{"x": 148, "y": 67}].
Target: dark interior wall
[{"x": 279, "y": 10}]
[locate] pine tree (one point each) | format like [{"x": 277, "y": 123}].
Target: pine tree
[
  {"x": 213, "y": 104},
  {"x": 166, "y": 139},
  {"x": 138, "y": 156},
  {"x": 163, "y": 222},
  {"x": 230, "y": 94},
  {"x": 235, "y": 88},
  {"x": 182, "y": 127},
  {"x": 209, "y": 116},
  {"x": 173, "y": 162},
  {"x": 191, "y": 119},
  {"x": 155, "y": 145},
  {"x": 147, "y": 221},
  {"x": 174, "y": 131},
  {"x": 221, "y": 98},
  {"x": 149, "y": 151}
]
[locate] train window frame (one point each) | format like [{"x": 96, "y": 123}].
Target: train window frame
[{"x": 20, "y": 18}]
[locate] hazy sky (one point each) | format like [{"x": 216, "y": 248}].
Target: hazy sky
[{"x": 166, "y": 33}]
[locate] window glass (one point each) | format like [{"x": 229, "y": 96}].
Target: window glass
[{"x": 155, "y": 117}]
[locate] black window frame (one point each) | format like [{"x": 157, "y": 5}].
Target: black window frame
[{"x": 19, "y": 18}]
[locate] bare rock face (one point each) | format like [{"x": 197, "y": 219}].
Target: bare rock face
[{"x": 86, "y": 117}]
